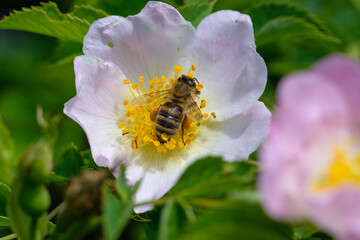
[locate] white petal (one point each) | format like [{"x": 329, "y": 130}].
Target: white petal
[
  {"x": 232, "y": 72},
  {"x": 149, "y": 44},
  {"x": 237, "y": 137},
  {"x": 158, "y": 176},
  {"x": 97, "y": 107}
]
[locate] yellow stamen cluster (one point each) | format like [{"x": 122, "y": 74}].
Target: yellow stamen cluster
[
  {"x": 343, "y": 169},
  {"x": 140, "y": 122}
]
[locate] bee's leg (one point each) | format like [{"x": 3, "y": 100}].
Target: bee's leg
[{"x": 182, "y": 130}]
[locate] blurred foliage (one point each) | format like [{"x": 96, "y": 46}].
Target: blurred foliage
[{"x": 212, "y": 200}]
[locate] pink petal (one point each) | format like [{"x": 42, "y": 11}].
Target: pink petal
[
  {"x": 233, "y": 73},
  {"x": 97, "y": 107},
  {"x": 316, "y": 109},
  {"x": 344, "y": 74},
  {"x": 281, "y": 179},
  {"x": 338, "y": 212},
  {"x": 149, "y": 44},
  {"x": 311, "y": 104}
]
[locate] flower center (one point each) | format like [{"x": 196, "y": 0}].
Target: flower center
[
  {"x": 343, "y": 169},
  {"x": 165, "y": 116}
]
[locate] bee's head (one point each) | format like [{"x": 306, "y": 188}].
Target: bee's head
[{"x": 188, "y": 80}]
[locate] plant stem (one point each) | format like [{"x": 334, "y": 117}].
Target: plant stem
[
  {"x": 55, "y": 211},
  {"x": 9, "y": 237}
]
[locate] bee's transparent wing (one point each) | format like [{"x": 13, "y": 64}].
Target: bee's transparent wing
[
  {"x": 149, "y": 99},
  {"x": 193, "y": 111}
]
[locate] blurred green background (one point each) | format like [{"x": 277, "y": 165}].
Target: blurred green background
[{"x": 34, "y": 73}]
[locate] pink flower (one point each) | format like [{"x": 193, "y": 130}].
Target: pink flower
[
  {"x": 126, "y": 58},
  {"x": 312, "y": 158}
]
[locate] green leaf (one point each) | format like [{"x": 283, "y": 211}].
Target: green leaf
[
  {"x": 304, "y": 231},
  {"x": 6, "y": 153},
  {"x": 193, "y": 1},
  {"x": 251, "y": 196},
  {"x": 119, "y": 7},
  {"x": 70, "y": 163},
  {"x": 81, "y": 228},
  {"x": 55, "y": 178},
  {"x": 213, "y": 178},
  {"x": 288, "y": 28},
  {"x": 215, "y": 188},
  {"x": 168, "y": 225},
  {"x": 267, "y": 11},
  {"x": 201, "y": 171},
  {"x": 48, "y": 20},
  {"x": 282, "y": 20},
  {"x": 88, "y": 13},
  {"x": 138, "y": 218},
  {"x": 88, "y": 159},
  {"x": 4, "y": 221},
  {"x": 66, "y": 51},
  {"x": 4, "y": 193},
  {"x": 123, "y": 189},
  {"x": 238, "y": 220},
  {"x": 196, "y": 11},
  {"x": 116, "y": 215}
]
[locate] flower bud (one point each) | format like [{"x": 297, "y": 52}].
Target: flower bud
[
  {"x": 36, "y": 164},
  {"x": 34, "y": 199},
  {"x": 84, "y": 193}
]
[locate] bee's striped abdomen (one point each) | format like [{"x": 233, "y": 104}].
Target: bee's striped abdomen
[{"x": 168, "y": 120}]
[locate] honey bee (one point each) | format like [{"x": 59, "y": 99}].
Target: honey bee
[{"x": 176, "y": 106}]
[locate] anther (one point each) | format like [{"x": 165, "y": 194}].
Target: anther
[
  {"x": 164, "y": 137},
  {"x": 121, "y": 125},
  {"x": 193, "y": 67},
  {"x": 134, "y": 144},
  {"x": 203, "y": 103},
  {"x": 192, "y": 137},
  {"x": 178, "y": 69},
  {"x": 199, "y": 86},
  {"x": 126, "y": 102},
  {"x": 135, "y": 86},
  {"x": 190, "y": 74},
  {"x": 170, "y": 146},
  {"x": 126, "y": 81},
  {"x": 181, "y": 145},
  {"x": 156, "y": 143}
]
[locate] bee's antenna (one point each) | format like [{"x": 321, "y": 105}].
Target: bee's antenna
[{"x": 196, "y": 80}]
